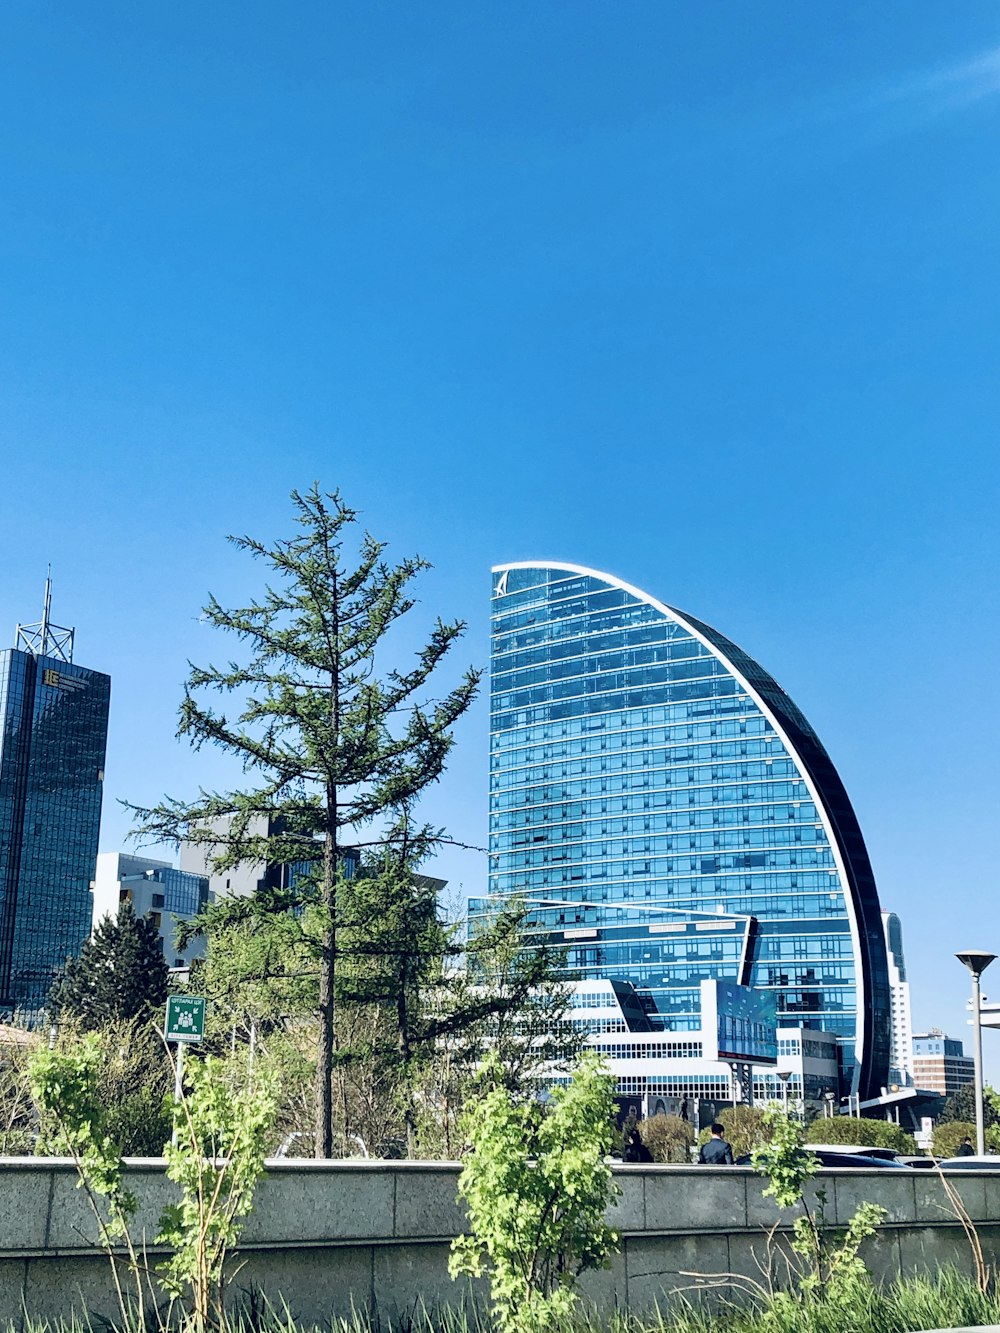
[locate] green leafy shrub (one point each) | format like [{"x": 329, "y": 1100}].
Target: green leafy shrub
[
  {"x": 948, "y": 1137},
  {"x": 668, "y": 1138},
  {"x": 221, "y": 1129},
  {"x": 746, "y": 1128},
  {"x": 73, "y": 1123},
  {"x": 865, "y": 1133},
  {"x": 133, "y": 1081},
  {"x": 536, "y": 1187},
  {"x": 829, "y": 1267}
]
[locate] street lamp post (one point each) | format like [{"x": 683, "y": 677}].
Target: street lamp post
[
  {"x": 977, "y": 961},
  {"x": 784, "y": 1075}
]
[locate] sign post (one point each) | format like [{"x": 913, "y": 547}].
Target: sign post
[{"x": 183, "y": 1022}]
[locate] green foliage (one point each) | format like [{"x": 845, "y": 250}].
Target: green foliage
[
  {"x": 747, "y": 1127},
  {"x": 133, "y": 1081},
  {"x": 865, "y": 1133},
  {"x": 668, "y": 1138},
  {"x": 217, "y": 1157},
  {"x": 119, "y": 974},
  {"x": 961, "y": 1105},
  {"x": 948, "y": 1137},
  {"x": 335, "y": 747},
  {"x": 18, "y": 1118},
  {"x": 537, "y": 1187},
  {"x": 785, "y": 1161},
  {"x": 73, "y": 1124},
  {"x": 829, "y": 1265}
]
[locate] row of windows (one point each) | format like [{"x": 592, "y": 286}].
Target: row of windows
[
  {"x": 514, "y": 809},
  {"x": 779, "y": 856},
  {"x": 599, "y": 999},
  {"x": 774, "y": 805},
  {"x": 692, "y": 756},
  {"x": 775, "y": 895},
  {"x": 596, "y": 612},
  {"x": 642, "y": 725},
  {"x": 618, "y": 791},
  {"x": 637, "y": 647},
  {"x": 714, "y": 696},
  {"x": 529, "y": 685},
  {"x": 757, "y": 827},
  {"x": 650, "y": 1050},
  {"x": 622, "y": 732},
  {"x": 666, "y": 762},
  {"x": 692, "y": 1086},
  {"x": 644, "y": 661}
]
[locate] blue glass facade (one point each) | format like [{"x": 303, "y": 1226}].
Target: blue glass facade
[
  {"x": 53, "y": 735},
  {"x": 672, "y": 816}
]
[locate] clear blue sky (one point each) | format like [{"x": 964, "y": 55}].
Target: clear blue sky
[{"x": 705, "y": 296}]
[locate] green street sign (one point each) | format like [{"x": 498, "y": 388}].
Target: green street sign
[{"x": 185, "y": 1019}]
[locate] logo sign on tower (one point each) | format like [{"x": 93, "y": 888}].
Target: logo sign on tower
[{"x": 185, "y": 1019}]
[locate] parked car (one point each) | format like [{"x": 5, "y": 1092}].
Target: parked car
[
  {"x": 843, "y": 1159},
  {"x": 975, "y": 1163},
  {"x": 856, "y": 1150}
]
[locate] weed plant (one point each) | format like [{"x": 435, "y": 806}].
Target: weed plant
[{"x": 946, "y": 1299}]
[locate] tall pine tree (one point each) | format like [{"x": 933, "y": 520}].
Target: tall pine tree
[
  {"x": 332, "y": 747},
  {"x": 120, "y": 974}
]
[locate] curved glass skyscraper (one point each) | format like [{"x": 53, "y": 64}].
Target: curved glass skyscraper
[{"x": 672, "y": 816}]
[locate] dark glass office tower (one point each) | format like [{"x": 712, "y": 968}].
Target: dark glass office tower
[
  {"x": 672, "y": 817},
  {"x": 53, "y": 736}
]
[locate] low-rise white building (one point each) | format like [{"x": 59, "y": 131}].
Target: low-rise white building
[
  {"x": 668, "y": 1071},
  {"x": 157, "y": 891}
]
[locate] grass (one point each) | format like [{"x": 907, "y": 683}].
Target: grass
[{"x": 948, "y": 1299}]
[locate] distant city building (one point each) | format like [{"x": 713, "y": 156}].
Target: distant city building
[
  {"x": 940, "y": 1063},
  {"x": 248, "y": 877},
  {"x": 664, "y": 1070},
  {"x": 159, "y": 892},
  {"x": 53, "y": 738},
  {"x": 901, "y": 1032},
  {"x": 670, "y": 816}
]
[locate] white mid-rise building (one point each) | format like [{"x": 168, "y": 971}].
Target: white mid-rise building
[
  {"x": 901, "y": 1039},
  {"x": 157, "y": 891},
  {"x": 669, "y": 1071}
]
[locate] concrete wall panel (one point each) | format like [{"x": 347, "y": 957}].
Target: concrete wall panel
[{"x": 326, "y": 1238}]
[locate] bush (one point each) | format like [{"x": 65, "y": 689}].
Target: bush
[
  {"x": 537, "y": 1189},
  {"x": 746, "y": 1128},
  {"x": 864, "y": 1133},
  {"x": 948, "y": 1136},
  {"x": 668, "y": 1138}
]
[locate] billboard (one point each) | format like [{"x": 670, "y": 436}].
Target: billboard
[{"x": 738, "y": 1023}]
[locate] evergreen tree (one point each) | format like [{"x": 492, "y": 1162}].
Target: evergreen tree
[
  {"x": 417, "y": 1003},
  {"x": 961, "y": 1105},
  {"x": 332, "y": 749},
  {"x": 120, "y": 974}
]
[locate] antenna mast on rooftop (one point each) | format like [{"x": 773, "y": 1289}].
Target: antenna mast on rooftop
[{"x": 43, "y": 639}]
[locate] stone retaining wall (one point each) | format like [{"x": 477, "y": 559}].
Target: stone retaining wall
[{"x": 326, "y": 1236}]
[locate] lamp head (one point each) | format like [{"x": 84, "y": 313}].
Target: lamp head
[{"x": 976, "y": 960}]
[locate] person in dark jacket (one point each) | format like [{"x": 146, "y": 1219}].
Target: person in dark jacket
[
  {"x": 636, "y": 1150},
  {"x": 716, "y": 1152},
  {"x": 966, "y": 1149}
]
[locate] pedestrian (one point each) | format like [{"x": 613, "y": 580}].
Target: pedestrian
[
  {"x": 965, "y": 1148},
  {"x": 684, "y": 1108},
  {"x": 635, "y": 1149},
  {"x": 716, "y": 1152}
]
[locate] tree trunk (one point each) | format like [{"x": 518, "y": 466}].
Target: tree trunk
[{"x": 327, "y": 974}]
